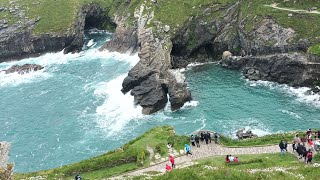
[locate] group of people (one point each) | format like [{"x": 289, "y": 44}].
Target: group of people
[
  {"x": 300, "y": 145},
  {"x": 204, "y": 136},
  {"x": 230, "y": 158}
]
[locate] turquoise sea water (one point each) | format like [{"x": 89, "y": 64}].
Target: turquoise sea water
[{"x": 73, "y": 109}]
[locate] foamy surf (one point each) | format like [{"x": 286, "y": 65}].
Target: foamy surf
[
  {"x": 15, "y": 79},
  {"x": 301, "y": 94},
  {"x": 118, "y": 109}
]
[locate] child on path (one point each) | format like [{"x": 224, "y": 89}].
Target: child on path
[
  {"x": 172, "y": 161},
  {"x": 168, "y": 168},
  {"x": 187, "y": 147}
]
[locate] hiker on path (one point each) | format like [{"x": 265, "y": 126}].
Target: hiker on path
[
  {"x": 286, "y": 145},
  {"x": 197, "y": 138},
  {"x": 309, "y": 134},
  {"x": 282, "y": 148},
  {"x": 168, "y": 168},
  {"x": 216, "y": 136},
  {"x": 209, "y": 136},
  {"x": 169, "y": 146},
  {"x": 187, "y": 147},
  {"x": 309, "y": 157},
  {"x": 201, "y": 137},
  {"x": 206, "y": 138},
  {"x": 192, "y": 140},
  {"x": 172, "y": 161}
]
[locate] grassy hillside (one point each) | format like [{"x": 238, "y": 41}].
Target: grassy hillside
[
  {"x": 55, "y": 15},
  {"x": 129, "y": 157},
  {"x": 134, "y": 155},
  {"x": 59, "y": 15},
  {"x": 262, "y": 166}
]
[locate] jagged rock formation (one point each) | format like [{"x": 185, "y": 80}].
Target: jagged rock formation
[
  {"x": 293, "y": 69},
  {"x": 26, "y": 68},
  {"x": 243, "y": 134},
  {"x": 152, "y": 78}
]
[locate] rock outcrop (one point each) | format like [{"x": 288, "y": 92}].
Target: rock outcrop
[
  {"x": 292, "y": 69},
  {"x": 243, "y": 134},
  {"x": 151, "y": 79},
  {"x": 6, "y": 170},
  {"x": 26, "y": 68}
]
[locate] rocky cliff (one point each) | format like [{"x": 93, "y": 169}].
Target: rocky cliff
[
  {"x": 152, "y": 80},
  {"x": 17, "y": 39},
  {"x": 269, "y": 42}
]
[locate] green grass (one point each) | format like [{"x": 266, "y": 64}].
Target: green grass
[
  {"x": 56, "y": 16},
  {"x": 315, "y": 49},
  {"x": 271, "y": 139},
  {"x": 254, "y": 11},
  {"x": 130, "y": 156},
  {"x": 216, "y": 168}
]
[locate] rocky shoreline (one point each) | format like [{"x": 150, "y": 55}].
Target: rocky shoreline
[{"x": 267, "y": 51}]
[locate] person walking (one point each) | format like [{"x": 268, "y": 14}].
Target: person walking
[
  {"x": 197, "y": 138},
  {"x": 216, "y": 136},
  {"x": 201, "y": 137},
  {"x": 309, "y": 157},
  {"x": 281, "y": 146},
  {"x": 209, "y": 136},
  {"x": 286, "y": 145},
  {"x": 192, "y": 140},
  {"x": 172, "y": 161},
  {"x": 206, "y": 138},
  {"x": 188, "y": 150}
]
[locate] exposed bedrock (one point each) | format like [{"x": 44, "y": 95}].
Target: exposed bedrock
[
  {"x": 292, "y": 69},
  {"x": 151, "y": 80},
  {"x": 26, "y": 68}
]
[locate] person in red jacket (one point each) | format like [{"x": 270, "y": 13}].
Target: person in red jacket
[
  {"x": 168, "y": 168},
  {"x": 309, "y": 157},
  {"x": 227, "y": 159},
  {"x": 172, "y": 161}
]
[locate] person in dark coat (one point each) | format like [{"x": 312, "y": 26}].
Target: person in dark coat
[
  {"x": 206, "y": 138},
  {"x": 197, "y": 141},
  {"x": 209, "y": 136},
  {"x": 201, "y": 137},
  {"x": 281, "y": 146}
]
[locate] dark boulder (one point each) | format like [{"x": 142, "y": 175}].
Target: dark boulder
[
  {"x": 243, "y": 134},
  {"x": 23, "y": 69}
]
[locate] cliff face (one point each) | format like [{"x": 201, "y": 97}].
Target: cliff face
[
  {"x": 263, "y": 50},
  {"x": 17, "y": 40},
  {"x": 152, "y": 79}
]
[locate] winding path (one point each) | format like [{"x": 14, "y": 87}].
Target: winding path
[
  {"x": 275, "y": 6},
  {"x": 204, "y": 151}
]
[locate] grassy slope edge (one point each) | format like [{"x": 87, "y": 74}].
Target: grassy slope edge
[
  {"x": 133, "y": 155},
  {"x": 130, "y": 156}
]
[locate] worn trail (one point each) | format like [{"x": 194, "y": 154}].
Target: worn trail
[{"x": 204, "y": 151}]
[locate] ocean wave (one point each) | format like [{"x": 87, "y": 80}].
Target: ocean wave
[
  {"x": 15, "y": 79},
  {"x": 117, "y": 110},
  {"x": 301, "y": 94},
  {"x": 293, "y": 114}
]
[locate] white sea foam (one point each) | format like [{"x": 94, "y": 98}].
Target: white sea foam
[
  {"x": 15, "y": 79},
  {"x": 301, "y": 94},
  {"x": 118, "y": 109},
  {"x": 296, "y": 115},
  {"x": 91, "y": 43},
  {"x": 190, "y": 104}
]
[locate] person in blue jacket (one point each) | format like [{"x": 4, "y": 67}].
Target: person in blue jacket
[{"x": 187, "y": 149}]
